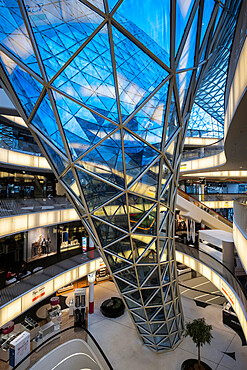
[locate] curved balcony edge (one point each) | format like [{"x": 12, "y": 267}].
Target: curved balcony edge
[
  {"x": 19, "y": 159},
  {"x": 236, "y": 299}
]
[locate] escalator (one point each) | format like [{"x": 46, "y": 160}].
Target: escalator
[{"x": 193, "y": 209}]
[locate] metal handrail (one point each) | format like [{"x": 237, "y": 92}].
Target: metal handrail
[
  {"x": 62, "y": 331},
  {"x": 198, "y": 151}
]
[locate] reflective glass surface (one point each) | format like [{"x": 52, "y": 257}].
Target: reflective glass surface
[{"x": 107, "y": 95}]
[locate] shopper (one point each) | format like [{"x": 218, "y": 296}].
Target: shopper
[{"x": 10, "y": 274}]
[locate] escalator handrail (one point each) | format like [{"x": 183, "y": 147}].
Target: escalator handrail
[{"x": 212, "y": 212}]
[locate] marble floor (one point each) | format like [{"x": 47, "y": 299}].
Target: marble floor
[{"x": 120, "y": 342}]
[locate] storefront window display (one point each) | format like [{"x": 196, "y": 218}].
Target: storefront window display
[
  {"x": 42, "y": 242},
  {"x": 70, "y": 236},
  {"x": 16, "y": 185}
]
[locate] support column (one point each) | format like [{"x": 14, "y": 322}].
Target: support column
[{"x": 91, "y": 280}]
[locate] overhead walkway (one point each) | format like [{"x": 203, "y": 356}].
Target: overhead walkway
[{"x": 199, "y": 212}]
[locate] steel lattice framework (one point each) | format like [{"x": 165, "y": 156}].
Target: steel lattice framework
[
  {"x": 207, "y": 116},
  {"x": 106, "y": 87}
]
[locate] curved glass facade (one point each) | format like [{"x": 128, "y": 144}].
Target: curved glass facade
[{"x": 107, "y": 87}]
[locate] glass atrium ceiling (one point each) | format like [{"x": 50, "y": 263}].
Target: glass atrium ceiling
[{"x": 106, "y": 88}]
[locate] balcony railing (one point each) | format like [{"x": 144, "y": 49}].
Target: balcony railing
[
  {"x": 66, "y": 338},
  {"x": 11, "y": 207}
]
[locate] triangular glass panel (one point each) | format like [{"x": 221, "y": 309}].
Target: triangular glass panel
[
  {"x": 173, "y": 122},
  {"x": 174, "y": 288},
  {"x": 122, "y": 249},
  {"x": 167, "y": 308},
  {"x": 106, "y": 233},
  {"x": 139, "y": 245},
  {"x": 149, "y": 256},
  {"x": 89, "y": 77},
  {"x": 143, "y": 329},
  {"x": 165, "y": 344},
  {"x": 129, "y": 275},
  {"x": 167, "y": 293},
  {"x": 140, "y": 312},
  {"x": 207, "y": 12},
  {"x": 147, "y": 294},
  {"x": 154, "y": 32},
  {"x": 157, "y": 339},
  {"x": 160, "y": 316},
  {"x": 138, "y": 207},
  {"x": 163, "y": 330},
  {"x": 138, "y": 75},
  {"x": 148, "y": 183},
  {"x": 165, "y": 278},
  {"x": 170, "y": 152},
  {"x": 183, "y": 10},
  {"x": 164, "y": 224},
  {"x": 138, "y": 156},
  {"x": 172, "y": 326},
  {"x": 155, "y": 327},
  {"x": 176, "y": 339},
  {"x": 106, "y": 160},
  {"x": 177, "y": 307},
  {"x": 148, "y": 122},
  {"x": 26, "y": 87},
  {"x": 58, "y": 162},
  {"x": 163, "y": 248},
  {"x": 188, "y": 53},
  {"x": 69, "y": 180},
  {"x": 14, "y": 35},
  {"x": 183, "y": 82},
  {"x": 98, "y": 3},
  {"x": 143, "y": 272},
  {"x": 135, "y": 296},
  {"x": 153, "y": 279},
  {"x": 111, "y": 4},
  {"x": 114, "y": 212},
  {"x": 152, "y": 311},
  {"x": 156, "y": 300},
  {"x": 147, "y": 339},
  {"x": 83, "y": 129},
  {"x": 148, "y": 224},
  {"x": 131, "y": 304},
  {"x": 59, "y": 29},
  {"x": 45, "y": 121},
  {"x": 96, "y": 192},
  {"x": 116, "y": 263},
  {"x": 123, "y": 286},
  {"x": 171, "y": 312}
]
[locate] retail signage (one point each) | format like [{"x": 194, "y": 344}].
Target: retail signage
[
  {"x": 84, "y": 243},
  {"x": 228, "y": 293},
  {"x": 183, "y": 167},
  {"x": 102, "y": 263},
  {"x": 38, "y": 293},
  {"x": 19, "y": 348}
]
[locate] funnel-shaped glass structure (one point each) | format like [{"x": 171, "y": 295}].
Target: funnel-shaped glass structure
[{"x": 106, "y": 87}]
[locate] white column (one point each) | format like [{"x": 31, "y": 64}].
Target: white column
[{"x": 91, "y": 279}]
